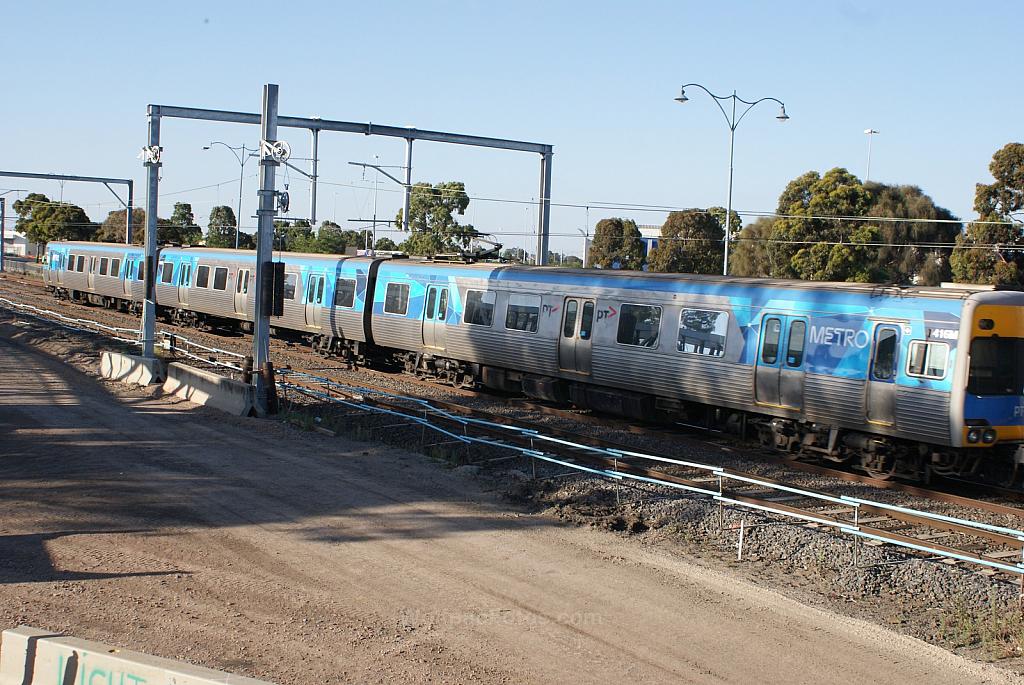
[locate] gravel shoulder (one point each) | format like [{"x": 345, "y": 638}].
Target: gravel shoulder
[{"x": 251, "y": 546}]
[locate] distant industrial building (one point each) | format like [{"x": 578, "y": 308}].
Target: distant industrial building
[{"x": 18, "y": 245}]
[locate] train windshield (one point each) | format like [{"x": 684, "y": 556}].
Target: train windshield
[{"x": 997, "y": 366}]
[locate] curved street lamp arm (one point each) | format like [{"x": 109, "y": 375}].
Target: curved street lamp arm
[
  {"x": 717, "y": 99},
  {"x": 237, "y": 158},
  {"x": 750, "y": 106}
]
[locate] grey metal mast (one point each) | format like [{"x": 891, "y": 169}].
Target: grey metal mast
[{"x": 264, "y": 245}]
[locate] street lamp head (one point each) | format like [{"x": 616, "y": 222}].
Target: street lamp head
[
  {"x": 870, "y": 131},
  {"x": 782, "y": 114},
  {"x": 682, "y": 96},
  {"x": 206, "y": 147}
]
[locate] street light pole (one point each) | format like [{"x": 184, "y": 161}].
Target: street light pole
[
  {"x": 870, "y": 133},
  {"x": 241, "y": 176},
  {"x": 732, "y": 122}
]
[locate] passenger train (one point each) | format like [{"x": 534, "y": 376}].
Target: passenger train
[{"x": 901, "y": 381}]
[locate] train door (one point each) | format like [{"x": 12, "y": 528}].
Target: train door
[
  {"x": 184, "y": 281},
  {"x": 126, "y": 277},
  {"x": 57, "y": 267},
  {"x": 435, "y": 312},
  {"x": 574, "y": 344},
  {"x": 314, "y": 299},
  {"x": 91, "y": 276},
  {"x": 241, "y": 291},
  {"x": 779, "y": 372},
  {"x": 880, "y": 402}
]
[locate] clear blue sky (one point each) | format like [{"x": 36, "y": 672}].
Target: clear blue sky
[{"x": 594, "y": 79}]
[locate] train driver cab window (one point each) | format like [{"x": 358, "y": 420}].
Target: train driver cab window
[
  {"x": 479, "y": 307},
  {"x": 884, "y": 366},
  {"x": 345, "y": 292},
  {"x": 639, "y": 325},
  {"x": 290, "y": 282},
  {"x": 396, "y": 299},
  {"x": 927, "y": 359},
  {"x": 523, "y": 313},
  {"x": 115, "y": 267},
  {"x": 167, "y": 272},
  {"x": 220, "y": 278},
  {"x": 203, "y": 276},
  {"x": 81, "y": 263},
  {"x": 702, "y": 331}
]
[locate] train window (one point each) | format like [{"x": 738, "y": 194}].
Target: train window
[
  {"x": 702, "y": 331},
  {"x": 220, "y": 278},
  {"x": 167, "y": 272},
  {"x": 115, "y": 267},
  {"x": 884, "y": 366},
  {"x": 345, "y": 292},
  {"x": 770, "y": 343},
  {"x": 997, "y": 366},
  {"x": 479, "y": 307},
  {"x": 319, "y": 289},
  {"x": 587, "y": 320},
  {"x": 185, "y": 276},
  {"x": 396, "y": 299},
  {"x": 71, "y": 262},
  {"x": 927, "y": 359},
  {"x": 140, "y": 272},
  {"x": 290, "y": 283},
  {"x": 103, "y": 266},
  {"x": 242, "y": 282},
  {"x": 203, "y": 276},
  {"x": 795, "y": 346},
  {"x": 442, "y": 305},
  {"x": 569, "y": 325},
  {"x": 638, "y": 325},
  {"x": 523, "y": 313}
]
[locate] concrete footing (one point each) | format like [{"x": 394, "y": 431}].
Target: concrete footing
[
  {"x": 131, "y": 369},
  {"x": 204, "y": 387},
  {"x": 29, "y": 655}
]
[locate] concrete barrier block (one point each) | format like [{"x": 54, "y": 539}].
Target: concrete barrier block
[
  {"x": 32, "y": 656},
  {"x": 131, "y": 369},
  {"x": 213, "y": 390}
]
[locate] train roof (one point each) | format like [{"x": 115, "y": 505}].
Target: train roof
[{"x": 615, "y": 277}]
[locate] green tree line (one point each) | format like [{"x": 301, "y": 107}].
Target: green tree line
[{"x": 834, "y": 227}]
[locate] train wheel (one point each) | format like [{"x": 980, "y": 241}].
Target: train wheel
[{"x": 880, "y": 466}]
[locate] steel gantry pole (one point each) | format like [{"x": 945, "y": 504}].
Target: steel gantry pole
[
  {"x": 406, "y": 201},
  {"x": 128, "y": 213},
  {"x": 544, "y": 211},
  {"x": 152, "y": 163},
  {"x": 264, "y": 248},
  {"x": 3, "y": 235},
  {"x": 312, "y": 179}
]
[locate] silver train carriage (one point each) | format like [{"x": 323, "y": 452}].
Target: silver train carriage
[{"x": 900, "y": 380}]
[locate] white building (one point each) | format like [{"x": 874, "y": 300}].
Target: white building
[{"x": 18, "y": 245}]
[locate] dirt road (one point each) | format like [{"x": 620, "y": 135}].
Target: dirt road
[{"x": 252, "y": 547}]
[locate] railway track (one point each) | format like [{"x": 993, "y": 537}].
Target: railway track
[{"x": 993, "y": 546}]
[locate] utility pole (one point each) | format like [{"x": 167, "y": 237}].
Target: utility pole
[{"x": 269, "y": 154}]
